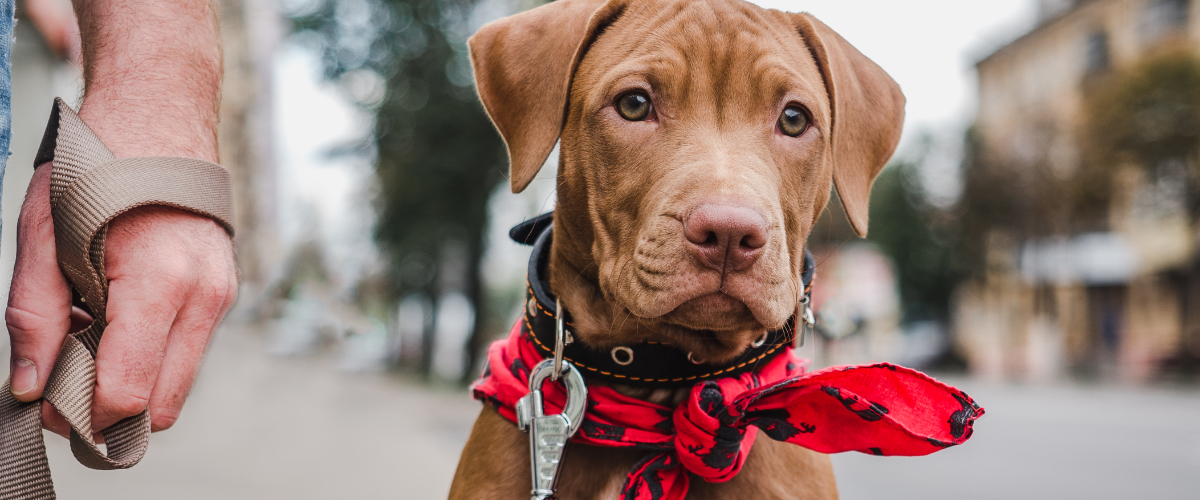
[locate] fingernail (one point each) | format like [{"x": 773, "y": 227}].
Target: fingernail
[{"x": 24, "y": 376}]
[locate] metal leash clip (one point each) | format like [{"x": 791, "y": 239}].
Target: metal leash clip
[
  {"x": 549, "y": 434},
  {"x": 805, "y": 316}
]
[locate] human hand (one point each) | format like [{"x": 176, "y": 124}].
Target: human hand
[{"x": 172, "y": 276}]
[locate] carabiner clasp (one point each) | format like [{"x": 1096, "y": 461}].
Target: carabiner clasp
[
  {"x": 805, "y": 321},
  {"x": 549, "y": 434}
]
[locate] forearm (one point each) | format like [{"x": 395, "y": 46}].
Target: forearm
[{"x": 152, "y": 73}]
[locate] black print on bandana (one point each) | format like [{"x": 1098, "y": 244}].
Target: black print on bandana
[
  {"x": 667, "y": 424},
  {"x": 728, "y": 439},
  {"x": 939, "y": 444},
  {"x": 871, "y": 412},
  {"x": 960, "y": 418},
  {"x": 877, "y": 452},
  {"x": 755, "y": 381},
  {"x": 774, "y": 423},
  {"x": 648, "y": 477},
  {"x": 489, "y": 399},
  {"x": 605, "y": 432},
  {"x": 711, "y": 400},
  {"x": 519, "y": 369}
]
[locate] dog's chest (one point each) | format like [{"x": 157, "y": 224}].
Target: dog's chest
[{"x": 774, "y": 471}]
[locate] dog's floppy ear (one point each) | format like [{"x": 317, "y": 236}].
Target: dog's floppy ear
[
  {"x": 523, "y": 68},
  {"x": 868, "y": 115}
]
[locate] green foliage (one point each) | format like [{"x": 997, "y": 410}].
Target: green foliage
[
  {"x": 1019, "y": 201},
  {"x": 1147, "y": 116},
  {"x": 438, "y": 158},
  {"x": 908, "y": 229},
  {"x": 1148, "y": 113}
]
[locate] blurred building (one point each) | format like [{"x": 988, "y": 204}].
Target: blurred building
[
  {"x": 857, "y": 307},
  {"x": 1120, "y": 296}
]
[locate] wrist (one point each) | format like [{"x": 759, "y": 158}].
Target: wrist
[
  {"x": 152, "y": 126},
  {"x": 152, "y": 73}
]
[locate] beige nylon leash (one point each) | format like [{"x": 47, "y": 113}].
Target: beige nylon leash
[{"x": 90, "y": 187}]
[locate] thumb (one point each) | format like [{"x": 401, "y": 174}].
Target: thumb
[{"x": 39, "y": 302}]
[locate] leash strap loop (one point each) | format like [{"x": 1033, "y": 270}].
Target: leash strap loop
[{"x": 89, "y": 188}]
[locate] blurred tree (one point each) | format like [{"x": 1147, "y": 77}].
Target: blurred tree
[
  {"x": 914, "y": 234},
  {"x": 1146, "y": 116},
  {"x": 1017, "y": 201},
  {"x": 437, "y": 155}
]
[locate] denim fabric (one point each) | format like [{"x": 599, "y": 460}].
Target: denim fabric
[{"x": 6, "y": 40}]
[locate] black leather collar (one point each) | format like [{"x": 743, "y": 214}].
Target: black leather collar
[{"x": 648, "y": 364}]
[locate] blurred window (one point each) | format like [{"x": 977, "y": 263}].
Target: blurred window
[
  {"x": 1164, "y": 17},
  {"x": 1098, "y": 58}
]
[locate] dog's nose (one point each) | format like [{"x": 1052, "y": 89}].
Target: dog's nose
[{"x": 726, "y": 237}]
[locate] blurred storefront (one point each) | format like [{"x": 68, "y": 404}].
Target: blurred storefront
[{"x": 1111, "y": 293}]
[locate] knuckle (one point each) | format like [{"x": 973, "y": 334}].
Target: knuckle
[
  {"x": 31, "y": 220},
  {"x": 34, "y": 214},
  {"x": 214, "y": 292},
  {"x": 125, "y": 404},
  {"x": 174, "y": 273},
  {"x": 231, "y": 295},
  {"x": 27, "y": 327},
  {"x": 162, "y": 419}
]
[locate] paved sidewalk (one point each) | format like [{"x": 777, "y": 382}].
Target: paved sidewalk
[
  {"x": 260, "y": 427},
  {"x": 1061, "y": 442}
]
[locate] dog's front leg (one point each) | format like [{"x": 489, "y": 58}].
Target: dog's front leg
[{"x": 494, "y": 463}]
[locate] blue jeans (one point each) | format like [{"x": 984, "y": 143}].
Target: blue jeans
[{"x": 6, "y": 41}]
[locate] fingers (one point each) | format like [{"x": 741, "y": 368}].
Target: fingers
[
  {"x": 141, "y": 310},
  {"x": 54, "y": 422},
  {"x": 187, "y": 341},
  {"x": 39, "y": 302},
  {"x": 171, "y": 280}
]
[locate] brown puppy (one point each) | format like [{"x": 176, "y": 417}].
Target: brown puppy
[{"x": 699, "y": 142}]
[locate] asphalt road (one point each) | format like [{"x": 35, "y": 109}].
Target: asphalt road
[{"x": 261, "y": 427}]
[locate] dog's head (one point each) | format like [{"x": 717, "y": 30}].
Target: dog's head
[{"x": 699, "y": 142}]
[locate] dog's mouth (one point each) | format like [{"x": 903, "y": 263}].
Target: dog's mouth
[
  {"x": 714, "y": 327},
  {"x": 714, "y": 311}
]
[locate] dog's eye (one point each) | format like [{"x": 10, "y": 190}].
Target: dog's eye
[
  {"x": 634, "y": 106},
  {"x": 793, "y": 121}
]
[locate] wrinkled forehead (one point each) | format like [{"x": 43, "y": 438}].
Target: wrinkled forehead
[{"x": 734, "y": 51}]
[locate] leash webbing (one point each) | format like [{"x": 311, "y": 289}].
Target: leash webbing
[{"x": 89, "y": 188}]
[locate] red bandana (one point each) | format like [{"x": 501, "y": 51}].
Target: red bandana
[{"x": 880, "y": 409}]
